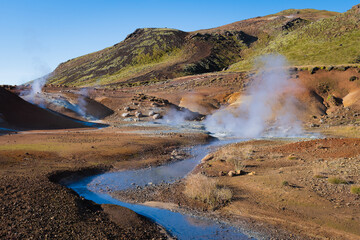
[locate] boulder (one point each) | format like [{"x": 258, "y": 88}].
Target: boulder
[
  {"x": 151, "y": 113},
  {"x": 231, "y": 173},
  {"x": 156, "y": 116},
  {"x": 240, "y": 172},
  {"x": 125, "y": 115},
  {"x": 127, "y": 108},
  {"x": 154, "y": 104},
  {"x": 207, "y": 158},
  {"x": 138, "y": 114}
]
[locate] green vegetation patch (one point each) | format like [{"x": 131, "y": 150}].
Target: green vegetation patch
[
  {"x": 285, "y": 183},
  {"x": 355, "y": 190},
  {"x": 335, "y": 180},
  {"x": 334, "y": 40},
  {"x": 207, "y": 190}
]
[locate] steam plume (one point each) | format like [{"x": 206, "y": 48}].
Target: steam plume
[
  {"x": 82, "y": 103},
  {"x": 177, "y": 117},
  {"x": 269, "y": 107},
  {"x": 33, "y": 95}
]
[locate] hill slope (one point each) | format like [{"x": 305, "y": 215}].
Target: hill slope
[
  {"x": 275, "y": 23},
  {"x": 19, "y": 114},
  {"x": 150, "y": 55},
  {"x": 329, "y": 41}
]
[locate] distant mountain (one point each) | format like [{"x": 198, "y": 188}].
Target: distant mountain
[{"x": 149, "y": 55}]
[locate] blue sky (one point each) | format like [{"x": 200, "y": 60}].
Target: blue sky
[{"x": 37, "y": 35}]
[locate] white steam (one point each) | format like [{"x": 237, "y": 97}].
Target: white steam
[
  {"x": 33, "y": 95},
  {"x": 177, "y": 117},
  {"x": 82, "y": 103},
  {"x": 82, "y": 106},
  {"x": 269, "y": 108}
]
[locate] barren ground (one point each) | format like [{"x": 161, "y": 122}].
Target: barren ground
[
  {"x": 288, "y": 194},
  {"x": 34, "y": 205}
]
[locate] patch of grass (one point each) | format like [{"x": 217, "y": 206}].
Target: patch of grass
[
  {"x": 336, "y": 180},
  {"x": 307, "y": 11},
  {"x": 237, "y": 162},
  {"x": 285, "y": 183},
  {"x": 355, "y": 190},
  {"x": 143, "y": 64},
  {"x": 49, "y": 147},
  {"x": 237, "y": 156},
  {"x": 207, "y": 190},
  {"x": 343, "y": 131}
]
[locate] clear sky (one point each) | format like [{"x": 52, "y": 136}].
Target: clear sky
[{"x": 37, "y": 35}]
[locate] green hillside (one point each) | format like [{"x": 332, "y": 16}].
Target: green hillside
[
  {"x": 152, "y": 54},
  {"x": 305, "y": 37},
  {"x": 329, "y": 41}
]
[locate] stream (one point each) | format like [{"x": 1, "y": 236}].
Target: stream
[{"x": 179, "y": 225}]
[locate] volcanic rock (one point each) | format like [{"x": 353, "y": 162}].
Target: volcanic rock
[
  {"x": 207, "y": 158},
  {"x": 23, "y": 115},
  {"x": 154, "y": 104},
  {"x": 138, "y": 114},
  {"x": 156, "y": 116}
]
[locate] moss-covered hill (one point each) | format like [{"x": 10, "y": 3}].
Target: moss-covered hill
[
  {"x": 153, "y": 54},
  {"x": 305, "y": 37},
  {"x": 329, "y": 41}
]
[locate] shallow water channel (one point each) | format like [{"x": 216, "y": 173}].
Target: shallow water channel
[{"x": 181, "y": 226}]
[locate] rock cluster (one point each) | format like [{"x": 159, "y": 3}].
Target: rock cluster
[{"x": 142, "y": 103}]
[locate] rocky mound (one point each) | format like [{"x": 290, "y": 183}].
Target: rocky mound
[
  {"x": 90, "y": 107},
  {"x": 145, "y": 107},
  {"x": 16, "y": 113}
]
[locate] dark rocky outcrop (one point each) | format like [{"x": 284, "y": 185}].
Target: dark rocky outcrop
[{"x": 18, "y": 114}]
